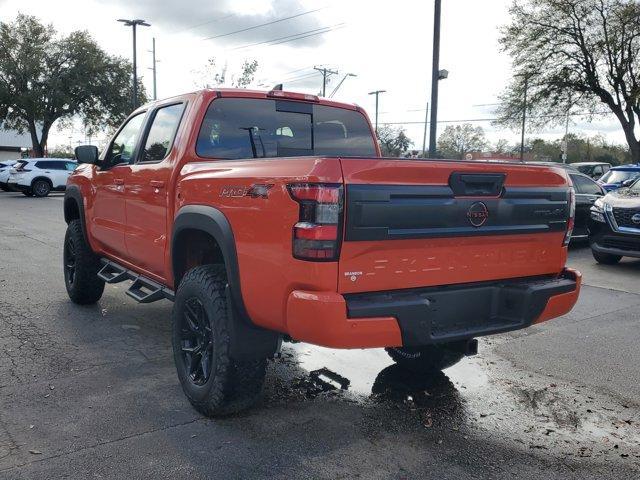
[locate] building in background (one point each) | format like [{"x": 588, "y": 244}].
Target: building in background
[{"x": 13, "y": 144}]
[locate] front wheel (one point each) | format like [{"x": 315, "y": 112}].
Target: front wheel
[
  {"x": 41, "y": 188},
  {"x": 606, "y": 258},
  {"x": 214, "y": 383},
  {"x": 429, "y": 358},
  {"x": 81, "y": 267}
]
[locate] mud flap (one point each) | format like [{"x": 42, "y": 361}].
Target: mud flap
[{"x": 248, "y": 342}]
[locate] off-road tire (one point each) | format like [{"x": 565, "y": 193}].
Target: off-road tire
[
  {"x": 80, "y": 267},
  {"x": 4, "y": 187},
  {"x": 428, "y": 359},
  {"x": 231, "y": 386},
  {"x": 41, "y": 188},
  {"x": 606, "y": 258}
]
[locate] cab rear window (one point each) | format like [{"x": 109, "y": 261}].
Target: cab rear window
[{"x": 235, "y": 128}]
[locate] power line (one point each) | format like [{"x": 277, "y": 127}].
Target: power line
[
  {"x": 274, "y": 42},
  {"x": 470, "y": 120},
  {"x": 264, "y": 24},
  {"x": 197, "y": 25},
  {"x": 320, "y": 30}
]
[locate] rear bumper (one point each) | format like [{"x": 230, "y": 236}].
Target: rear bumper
[
  {"x": 423, "y": 316},
  {"x": 17, "y": 187}
]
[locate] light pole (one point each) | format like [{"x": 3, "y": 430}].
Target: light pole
[
  {"x": 436, "y": 76},
  {"x": 424, "y": 136},
  {"x": 526, "y": 76},
  {"x": 134, "y": 23},
  {"x": 153, "y": 59},
  {"x": 377, "y": 94},
  {"x": 340, "y": 84}
]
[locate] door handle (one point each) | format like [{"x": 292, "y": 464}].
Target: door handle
[
  {"x": 157, "y": 183},
  {"x": 118, "y": 181}
]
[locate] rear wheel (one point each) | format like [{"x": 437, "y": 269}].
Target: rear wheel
[
  {"x": 41, "y": 188},
  {"x": 214, "y": 383},
  {"x": 606, "y": 258},
  {"x": 81, "y": 267},
  {"x": 429, "y": 358}
]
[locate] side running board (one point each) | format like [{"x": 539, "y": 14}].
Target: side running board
[{"x": 142, "y": 290}]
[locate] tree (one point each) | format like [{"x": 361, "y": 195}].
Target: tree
[
  {"x": 215, "y": 77},
  {"x": 503, "y": 146},
  {"x": 45, "y": 78},
  {"x": 393, "y": 141},
  {"x": 580, "y": 54},
  {"x": 456, "y": 141}
]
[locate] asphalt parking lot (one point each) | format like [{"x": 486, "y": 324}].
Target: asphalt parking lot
[{"x": 91, "y": 392}]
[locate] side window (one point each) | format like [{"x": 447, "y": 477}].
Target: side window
[
  {"x": 162, "y": 132},
  {"x": 44, "y": 165},
  {"x": 122, "y": 147},
  {"x": 585, "y": 186},
  {"x": 70, "y": 166},
  {"x": 58, "y": 165}
]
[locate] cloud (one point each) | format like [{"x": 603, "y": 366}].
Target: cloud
[{"x": 205, "y": 18}]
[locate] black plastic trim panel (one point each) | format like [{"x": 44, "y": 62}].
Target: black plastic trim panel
[
  {"x": 457, "y": 312},
  {"x": 397, "y": 212}
]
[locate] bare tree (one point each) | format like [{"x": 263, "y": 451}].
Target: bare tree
[
  {"x": 456, "y": 141},
  {"x": 568, "y": 54}
]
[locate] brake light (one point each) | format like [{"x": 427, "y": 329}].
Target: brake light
[
  {"x": 571, "y": 221},
  {"x": 293, "y": 95},
  {"x": 316, "y": 236}
]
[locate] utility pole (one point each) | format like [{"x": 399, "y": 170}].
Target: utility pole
[
  {"x": 424, "y": 136},
  {"x": 435, "y": 77},
  {"x": 153, "y": 56},
  {"x": 325, "y": 74},
  {"x": 565, "y": 143},
  {"x": 377, "y": 94},
  {"x": 134, "y": 23},
  {"x": 524, "y": 115}
]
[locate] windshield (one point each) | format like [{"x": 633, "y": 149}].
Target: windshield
[
  {"x": 618, "y": 176},
  {"x": 235, "y": 128}
]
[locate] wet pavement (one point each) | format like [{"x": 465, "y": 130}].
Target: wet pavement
[{"x": 91, "y": 392}]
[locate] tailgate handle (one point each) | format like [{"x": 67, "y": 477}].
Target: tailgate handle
[{"x": 476, "y": 184}]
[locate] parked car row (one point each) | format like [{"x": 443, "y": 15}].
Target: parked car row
[{"x": 36, "y": 176}]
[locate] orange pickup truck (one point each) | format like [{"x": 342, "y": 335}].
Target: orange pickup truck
[{"x": 270, "y": 216}]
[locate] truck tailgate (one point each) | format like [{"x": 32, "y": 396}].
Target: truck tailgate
[{"x": 419, "y": 223}]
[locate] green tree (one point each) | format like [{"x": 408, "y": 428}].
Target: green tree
[
  {"x": 393, "y": 141},
  {"x": 456, "y": 141},
  {"x": 214, "y": 76},
  {"x": 580, "y": 54},
  {"x": 45, "y": 78}
]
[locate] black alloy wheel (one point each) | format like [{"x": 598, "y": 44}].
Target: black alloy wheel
[
  {"x": 196, "y": 342},
  {"x": 70, "y": 261}
]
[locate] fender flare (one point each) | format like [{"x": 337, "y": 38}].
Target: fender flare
[
  {"x": 248, "y": 341},
  {"x": 213, "y": 222},
  {"x": 73, "y": 194}
]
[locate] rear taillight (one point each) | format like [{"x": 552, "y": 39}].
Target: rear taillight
[
  {"x": 572, "y": 217},
  {"x": 316, "y": 236}
]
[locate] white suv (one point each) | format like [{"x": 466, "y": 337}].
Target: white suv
[{"x": 39, "y": 176}]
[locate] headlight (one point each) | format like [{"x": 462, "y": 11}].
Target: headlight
[{"x": 597, "y": 211}]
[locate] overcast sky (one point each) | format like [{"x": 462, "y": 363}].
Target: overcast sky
[{"x": 386, "y": 44}]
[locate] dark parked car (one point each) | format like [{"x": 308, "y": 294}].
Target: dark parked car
[
  {"x": 593, "y": 169},
  {"x": 621, "y": 176},
  {"x": 615, "y": 225},
  {"x": 587, "y": 193}
]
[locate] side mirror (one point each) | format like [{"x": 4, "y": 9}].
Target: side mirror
[
  {"x": 87, "y": 154},
  {"x": 628, "y": 183}
]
